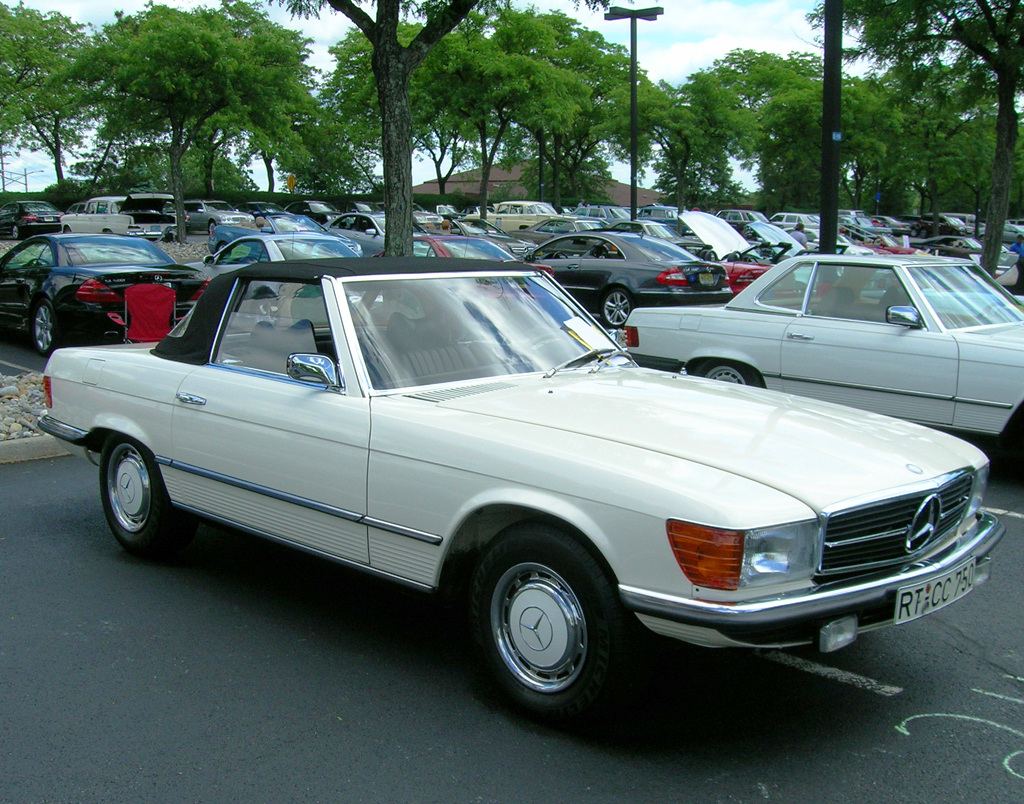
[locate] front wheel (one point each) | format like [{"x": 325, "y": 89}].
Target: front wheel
[
  {"x": 136, "y": 504},
  {"x": 44, "y": 329},
  {"x": 736, "y": 373},
  {"x": 616, "y": 305},
  {"x": 550, "y": 624}
]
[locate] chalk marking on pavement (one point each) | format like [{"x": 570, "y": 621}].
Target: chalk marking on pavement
[
  {"x": 1007, "y": 760},
  {"x": 1014, "y": 678},
  {"x": 997, "y": 695},
  {"x": 833, "y": 673},
  {"x": 1004, "y": 512}
]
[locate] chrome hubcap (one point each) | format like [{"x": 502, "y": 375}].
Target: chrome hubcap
[
  {"x": 42, "y": 327},
  {"x": 616, "y": 308},
  {"x": 128, "y": 488},
  {"x": 539, "y": 628},
  {"x": 726, "y": 374}
]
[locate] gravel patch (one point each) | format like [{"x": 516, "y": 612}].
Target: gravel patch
[{"x": 22, "y": 400}]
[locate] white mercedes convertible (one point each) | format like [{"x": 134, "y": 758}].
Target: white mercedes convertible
[{"x": 469, "y": 430}]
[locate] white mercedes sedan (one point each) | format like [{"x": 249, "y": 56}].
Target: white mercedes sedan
[
  {"x": 928, "y": 339},
  {"x": 469, "y": 430}
]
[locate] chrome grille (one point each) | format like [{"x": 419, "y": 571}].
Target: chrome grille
[{"x": 875, "y": 535}]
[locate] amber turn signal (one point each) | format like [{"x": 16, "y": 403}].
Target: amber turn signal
[{"x": 709, "y": 557}]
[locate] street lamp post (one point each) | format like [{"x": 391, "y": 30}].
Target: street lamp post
[{"x": 633, "y": 14}]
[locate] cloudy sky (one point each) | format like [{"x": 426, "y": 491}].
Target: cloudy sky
[{"x": 689, "y": 36}]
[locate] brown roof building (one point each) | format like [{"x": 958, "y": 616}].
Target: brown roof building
[{"x": 506, "y": 184}]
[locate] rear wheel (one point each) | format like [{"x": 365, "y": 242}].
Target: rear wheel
[
  {"x": 15, "y": 232},
  {"x": 727, "y": 371},
  {"x": 136, "y": 504},
  {"x": 551, "y": 626},
  {"x": 616, "y": 305},
  {"x": 43, "y": 328}
]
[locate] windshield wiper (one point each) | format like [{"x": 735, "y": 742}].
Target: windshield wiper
[{"x": 586, "y": 357}]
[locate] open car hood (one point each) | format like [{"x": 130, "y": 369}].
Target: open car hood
[{"x": 715, "y": 232}]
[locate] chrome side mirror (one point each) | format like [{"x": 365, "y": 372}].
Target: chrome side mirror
[
  {"x": 315, "y": 370},
  {"x": 904, "y": 317}
]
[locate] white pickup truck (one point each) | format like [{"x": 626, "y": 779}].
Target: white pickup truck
[{"x": 148, "y": 215}]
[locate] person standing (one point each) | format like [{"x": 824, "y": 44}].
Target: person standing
[
  {"x": 799, "y": 235},
  {"x": 1018, "y": 246}
]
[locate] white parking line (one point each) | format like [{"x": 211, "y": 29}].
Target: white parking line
[
  {"x": 1004, "y": 512},
  {"x": 833, "y": 673},
  {"x": 15, "y": 365}
]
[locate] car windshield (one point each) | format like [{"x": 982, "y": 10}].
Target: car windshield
[
  {"x": 770, "y": 233},
  {"x": 299, "y": 248},
  {"x": 660, "y": 230},
  {"x": 429, "y": 330},
  {"x": 481, "y": 227},
  {"x": 963, "y": 296},
  {"x": 617, "y": 213},
  {"x": 476, "y": 249},
  {"x": 297, "y": 223},
  {"x": 113, "y": 251},
  {"x": 663, "y": 251},
  {"x": 223, "y": 206}
]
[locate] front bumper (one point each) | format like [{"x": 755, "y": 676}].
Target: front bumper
[{"x": 794, "y": 619}]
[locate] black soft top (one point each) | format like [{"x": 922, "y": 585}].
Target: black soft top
[{"x": 196, "y": 343}]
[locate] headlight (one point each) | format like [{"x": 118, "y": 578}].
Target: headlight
[{"x": 732, "y": 559}]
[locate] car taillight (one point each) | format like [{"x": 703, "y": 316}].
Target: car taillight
[
  {"x": 48, "y": 390},
  {"x": 545, "y": 268},
  {"x": 199, "y": 292},
  {"x": 674, "y": 277},
  {"x": 709, "y": 557},
  {"x": 28, "y": 217},
  {"x": 94, "y": 291},
  {"x": 632, "y": 337}
]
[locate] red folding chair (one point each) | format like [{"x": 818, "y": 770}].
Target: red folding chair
[{"x": 149, "y": 310}]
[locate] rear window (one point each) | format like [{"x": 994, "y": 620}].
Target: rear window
[{"x": 113, "y": 251}]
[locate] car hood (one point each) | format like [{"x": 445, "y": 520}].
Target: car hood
[
  {"x": 815, "y": 452},
  {"x": 715, "y": 232}
]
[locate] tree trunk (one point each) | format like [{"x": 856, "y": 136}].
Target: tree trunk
[
  {"x": 392, "y": 77},
  {"x": 1002, "y": 169},
  {"x": 175, "y": 152},
  {"x": 268, "y": 163},
  {"x": 556, "y": 179}
]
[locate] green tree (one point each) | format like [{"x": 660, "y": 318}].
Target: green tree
[
  {"x": 165, "y": 74},
  {"x": 973, "y": 36},
  {"x": 37, "y": 101},
  {"x": 697, "y": 127}
]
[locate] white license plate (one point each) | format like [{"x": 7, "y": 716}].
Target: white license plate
[
  {"x": 707, "y": 279},
  {"x": 154, "y": 227},
  {"x": 916, "y": 601}
]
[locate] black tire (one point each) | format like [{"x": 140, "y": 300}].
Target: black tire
[
  {"x": 616, "y": 305},
  {"x": 579, "y": 653},
  {"x": 136, "y": 504},
  {"x": 729, "y": 371},
  {"x": 43, "y": 327},
  {"x": 218, "y": 247}
]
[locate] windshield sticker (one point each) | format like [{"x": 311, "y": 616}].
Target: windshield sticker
[{"x": 585, "y": 333}]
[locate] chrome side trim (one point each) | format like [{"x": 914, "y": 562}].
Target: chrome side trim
[
  {"x": 814, "y": 604},
  {"x": 305, "y": 502},
  {"x": 306, "y": 549},
  {"x": 402, "y": 530},
  {"x": 65, "y": 432},
  {"x": 266, "y": 491},
  {"x": 878, "y": 388}
]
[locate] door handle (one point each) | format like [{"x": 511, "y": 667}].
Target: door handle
[
  {"x": 799, "y": 336},
  {"x": 190, "y": 399},
  {"x": 575, "y": 266}
]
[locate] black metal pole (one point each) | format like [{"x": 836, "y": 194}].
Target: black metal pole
[
  {"x": 634, "y": 124},
  {"x": 831, "y": 125}
]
